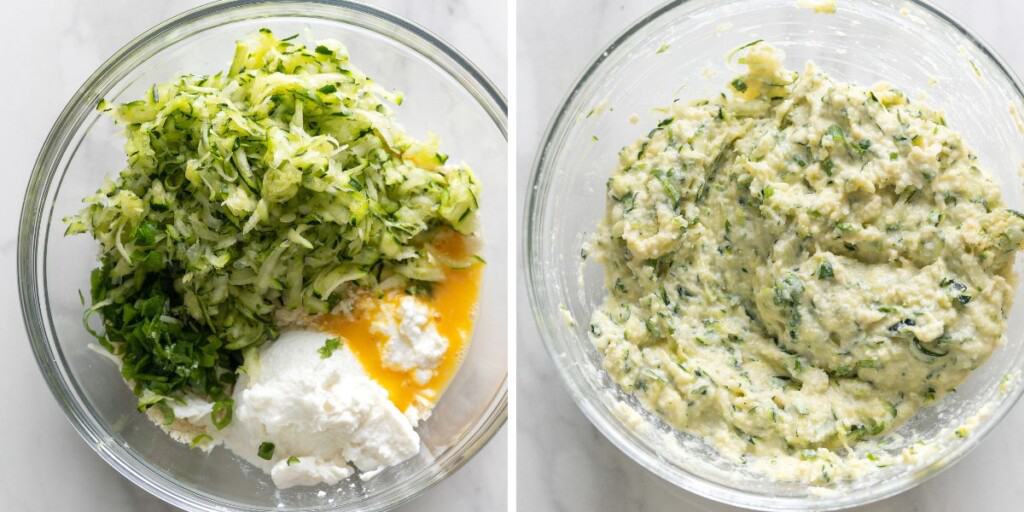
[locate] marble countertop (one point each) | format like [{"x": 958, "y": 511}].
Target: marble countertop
[
  {"x": 564, "y": 463},
  {"x": 45, "y": 466}
]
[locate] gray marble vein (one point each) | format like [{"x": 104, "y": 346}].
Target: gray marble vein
[
  {"x": 52, "y": 46},
  {"x": 563, "y": 463}
]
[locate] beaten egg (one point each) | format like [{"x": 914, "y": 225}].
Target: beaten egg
[{"x": 453, "y": 304}]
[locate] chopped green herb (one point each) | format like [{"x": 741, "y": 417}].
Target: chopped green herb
[
  {"x": 836, "y": 134},
  {"x": 868, "y": 363},
  {"x": 927, "y": 351},
  {"x": 200, "y": 439},
  {"x": 825, "y": 271},
  {"x": 843, "y": 371},
  {"x": 827, "y": 166},
  {"x": 166, "y": 411},
  {"x": 329, "y": 347},
  {"x": 788, "y": 292},
  {"x": 957, "y": 290},
  {"x": 266, "y": 451},
  {"x": 906, "y": 322},
  {"x": 223, "y": 410},
  {"x": 145, "y": 234}
]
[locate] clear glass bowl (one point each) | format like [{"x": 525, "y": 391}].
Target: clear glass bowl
[
  {"x": 445, "y": 94},
  {"x": 908, "y": 43}
]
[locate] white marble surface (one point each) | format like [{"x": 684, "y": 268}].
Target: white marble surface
[
  {"x": 52, "y": 46},
  {"x": 564, "y": 464}
]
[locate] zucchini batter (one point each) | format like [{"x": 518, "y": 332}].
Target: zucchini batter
[{"x": 800, "y": 264}]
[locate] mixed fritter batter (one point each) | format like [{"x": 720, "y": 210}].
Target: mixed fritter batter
[{"x": 800, "y": 264}]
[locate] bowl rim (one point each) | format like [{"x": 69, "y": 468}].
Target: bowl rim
[
  {"x": 593, "y": 409},
  {"x": 49, "y": 359}
]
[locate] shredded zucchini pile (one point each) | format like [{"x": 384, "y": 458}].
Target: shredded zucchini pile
[{"x": 281, "y": 184}]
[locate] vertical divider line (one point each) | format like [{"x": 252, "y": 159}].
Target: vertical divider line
[{"x": 513, "y": 249}]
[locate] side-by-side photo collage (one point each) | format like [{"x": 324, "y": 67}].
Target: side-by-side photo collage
[{"x": 513, "y": 256}]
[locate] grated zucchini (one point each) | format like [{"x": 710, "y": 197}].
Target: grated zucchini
[{"x": 283, "y": 183}]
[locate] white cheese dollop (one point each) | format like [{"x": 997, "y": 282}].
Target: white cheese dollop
[
  {"x": 324, "y": 412},
  {"x": 412, "y": 341}
]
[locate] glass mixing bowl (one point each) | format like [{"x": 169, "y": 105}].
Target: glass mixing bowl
[
  {"x": 910, "y": 44},
  {"x": 445, "y": 94}
]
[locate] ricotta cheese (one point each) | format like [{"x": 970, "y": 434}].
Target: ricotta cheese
[
  {"x": 320, "y": 413},
  {"x": 324, "y": 416},
  {"x": 411, "y": 341},
  {"x": 794, "y": 268}
]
